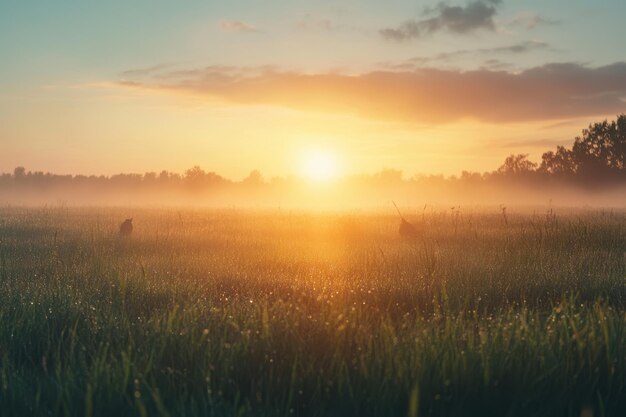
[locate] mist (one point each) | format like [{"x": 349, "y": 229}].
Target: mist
[{"x": 362, "y": 192}]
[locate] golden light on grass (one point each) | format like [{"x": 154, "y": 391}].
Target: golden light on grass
[{"x": 319, "y": 166}]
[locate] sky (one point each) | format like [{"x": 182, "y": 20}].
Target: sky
[{"x": 426, "y": 87}]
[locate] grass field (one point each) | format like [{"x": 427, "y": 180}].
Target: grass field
[{"x": 228, "y": 313}]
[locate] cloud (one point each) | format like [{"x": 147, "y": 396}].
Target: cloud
[
  {"x": 478, "y": 14},
  {"x": 496, "y": 64},
  {"x": 531, "y": 20},
  {"x": 517, "y": 48},
  {"x": 236, "y": 26},
  {"x": 549, "y": 92},
  {"x": 145, "y": 71}
]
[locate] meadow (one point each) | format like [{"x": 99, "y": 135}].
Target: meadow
[{"x": 278, "y": 313}]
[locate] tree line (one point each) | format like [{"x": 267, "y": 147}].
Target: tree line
[
  {"x": 598, "y": 155},
  {"x": 596, "y": 158}
]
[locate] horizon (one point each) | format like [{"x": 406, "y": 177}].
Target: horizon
[
  {"x": 327, "y": 90},
  {"x": 321, "y": 168}
]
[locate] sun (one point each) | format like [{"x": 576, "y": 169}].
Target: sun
[{"x": 319, "y": 166}]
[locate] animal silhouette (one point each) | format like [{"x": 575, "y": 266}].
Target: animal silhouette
[
  {"x": 406, "y": 230},
  {"x": 126, "y": 228}
]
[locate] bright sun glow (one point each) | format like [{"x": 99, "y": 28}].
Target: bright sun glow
[{"x": 319, "y": 166}]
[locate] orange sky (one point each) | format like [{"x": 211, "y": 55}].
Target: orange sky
[{"x": 447, "y": 87}]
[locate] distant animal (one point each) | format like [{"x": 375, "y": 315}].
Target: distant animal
[
  {"x": 406, "y": 230},
  {"x": 126, "y": 228}
]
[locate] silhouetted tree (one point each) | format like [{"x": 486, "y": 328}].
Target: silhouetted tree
[
  {"x": 195, "y": 176},
  {"x": 149, "y": 177},
  {"x": 517, "y": 164},
  {"x": 471, "y": 176},
  {"x": 601, "y": 150},
  {"x": 561, "y": 162},
  {"x": 600, "y": 153},
  {"x": 164, "y": 176},
  {"x": 19, "y": 173},
  {"x": 254, "y": 178}
]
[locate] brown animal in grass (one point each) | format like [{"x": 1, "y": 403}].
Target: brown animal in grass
[
  {"x": 406, "y": 230},
  {"x": 126, "y": 228}
]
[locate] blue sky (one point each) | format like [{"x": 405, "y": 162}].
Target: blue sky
[{"x": 45, "y": 40}]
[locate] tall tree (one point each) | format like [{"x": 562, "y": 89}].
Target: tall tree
[
  {"x": 561, "y": 162},
  {"x": 602, "y": 148}
]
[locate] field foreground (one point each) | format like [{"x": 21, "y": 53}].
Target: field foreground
[{"x": 224, "y": 313}]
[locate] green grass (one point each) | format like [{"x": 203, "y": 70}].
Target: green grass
[{"x": 224, "y": 313}]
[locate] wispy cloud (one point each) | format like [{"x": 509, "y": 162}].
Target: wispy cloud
[
  {"x": 494, "y": 64},
  {"x": 530, "y": 20},
  {"x": 138, "y": 72},
  {"x": 475, "y": 15},
  {"x": 549, "y": 92},
  {"x": 236, "y": 26},
  {"x": 517, "y": 48}
]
